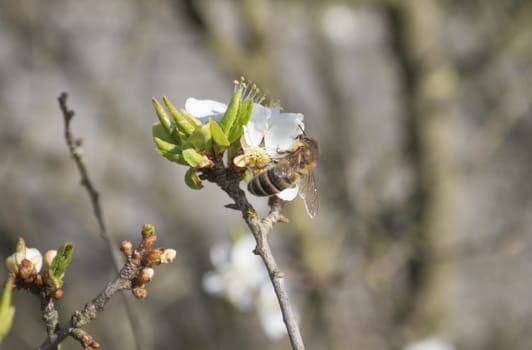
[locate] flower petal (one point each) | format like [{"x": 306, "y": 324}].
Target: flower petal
[
  {"x": 289, "y": 193},
  {"x": 257, "y": 126},
  {"x": 269, "y": 312},
  {"x": 213, "y": 283},
  {"x": 284, "y": 128},
  {"x": 34, "y": 255},
  {"x": 204, "y": 109}
]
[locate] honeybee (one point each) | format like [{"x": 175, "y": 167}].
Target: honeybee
[{"x": 296, "y": 167}]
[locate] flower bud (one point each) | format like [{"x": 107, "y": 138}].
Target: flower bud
[
  {"x": 146, "y": 275},
  {"x": 57, "y": 294},
  {"x": 126, "y": 247},
  {"x": 168, "y": 256},
  {"x": 140, "y": 293},
  {"x": 147, "y": 230},
  {"x": 32, "y": 255},
  {"x": 26, "y": 270},
  {"x": 49, "y": 258}
]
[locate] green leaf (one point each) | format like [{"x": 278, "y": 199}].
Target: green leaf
[
  {"x": 190, "y": 118},
  {"x": 7, "y": 311},
  {"x": 176, "y": 136},
  {"x": 217, "y": 134},
  {"x": 169, "y": 151},
  {"x": 60, "y": 263},
  {"x": 244, "y": 113},
  {"x": 157, "y": 130},
  {"x": 247, "y": 176},
  {"x": 201, "y": 138},
  {"x": 192, "y": 157},
  {"x": 232, "y": 151},
  {"x": 173, "y": 157},
  {"x": 181, "y": 121},
  {"x": 192, "y": 179},
  {"x": 163, "y": 117},
  {"x": 230, "y": 114}
]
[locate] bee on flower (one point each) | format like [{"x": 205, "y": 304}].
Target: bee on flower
[{"x": 272, "y": 143}]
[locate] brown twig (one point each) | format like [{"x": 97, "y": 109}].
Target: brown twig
[
  {"x": 50, "y": 315},
  {"x": 81, "y": 318},
  {"x": 229, "y": 179},
  {"x": 130, "y": 277},
  {"x": 74, "y": 149}
]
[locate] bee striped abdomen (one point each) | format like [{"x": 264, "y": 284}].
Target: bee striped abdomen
[{"x": 272, "y": 181}]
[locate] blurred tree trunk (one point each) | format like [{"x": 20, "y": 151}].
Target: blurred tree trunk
[{"x": 430, "y": 84}]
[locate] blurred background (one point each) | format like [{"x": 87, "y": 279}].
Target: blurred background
[{"x": 423, "y": 113}]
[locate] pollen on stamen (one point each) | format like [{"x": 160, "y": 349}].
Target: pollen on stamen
[{"x": 250, "y": 90}]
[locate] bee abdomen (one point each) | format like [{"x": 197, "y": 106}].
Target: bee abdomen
[{"x": 270, "y": 182}]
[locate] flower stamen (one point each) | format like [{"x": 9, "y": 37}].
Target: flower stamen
[{"x": 250, "y": 91}]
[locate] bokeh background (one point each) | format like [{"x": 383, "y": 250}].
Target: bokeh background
[{"x": 423, "y": 113}]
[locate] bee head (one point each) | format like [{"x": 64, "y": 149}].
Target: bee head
[{"x": 309, "y": 149}]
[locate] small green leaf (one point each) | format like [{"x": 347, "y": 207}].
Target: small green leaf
[
  {"x": 190, "y": 118},
  {"x": 230, "y": 114},
  {"x": 181, "y": 121},
  {"x": 173, "y": 157},
  {"x": 247, "y": 176},
  {"x": 232, "y": 151},
  {"x": 192, "y": 157},
  {"x": 244, "y": 112},
  {"x": 165, "y": 146},
  {"x": 176, "y": 136},
  {"x": 217, "y": 134},
  {"x": 201, "y": 138},
  {"x": 157, "y": 130},
  {"x": 192, "y": 179},
  {"x": 169, "y": 151},
  {"x": 7, "y": 311},
  {"x": 163, "y": 117},
  {"x": 243, "y": 115},
  {"x": 60, "y": 263}
]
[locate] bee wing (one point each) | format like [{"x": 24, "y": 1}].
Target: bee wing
[{"x": 309, "y": 192}]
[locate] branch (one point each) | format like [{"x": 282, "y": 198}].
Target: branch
[
  {"x": 74, "y": 147},
  {"x": 81, "y": 318},
  {"x": 132, "y": 276},
  {"x": 228, "y": 179}
]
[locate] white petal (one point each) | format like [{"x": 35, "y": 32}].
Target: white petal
[
  {"x": 283, "y": 131},
  {"x": 34, "y": 255},
  {"x": 258, "y": 125},
  {"x": 205, "y": 108},
  {"x": 269, "y": 313},
  {"x": 430, "y": 344},
  {"x": 219, "y": 255},
  {"x": 288, "y": 194},
  {"x": 212, "y": 283}
]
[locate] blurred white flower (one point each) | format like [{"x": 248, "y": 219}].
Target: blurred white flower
[
  {"x": 240, "y": 277},
  {"x": 269, "y": 312},
  {"x": 432, "y": 343}
]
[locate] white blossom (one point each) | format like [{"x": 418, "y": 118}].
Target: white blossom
[
  {"x": 268, "y": 130},
  {"x": 431, "y": 343},
  {"x": 239, "y": 276}
]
